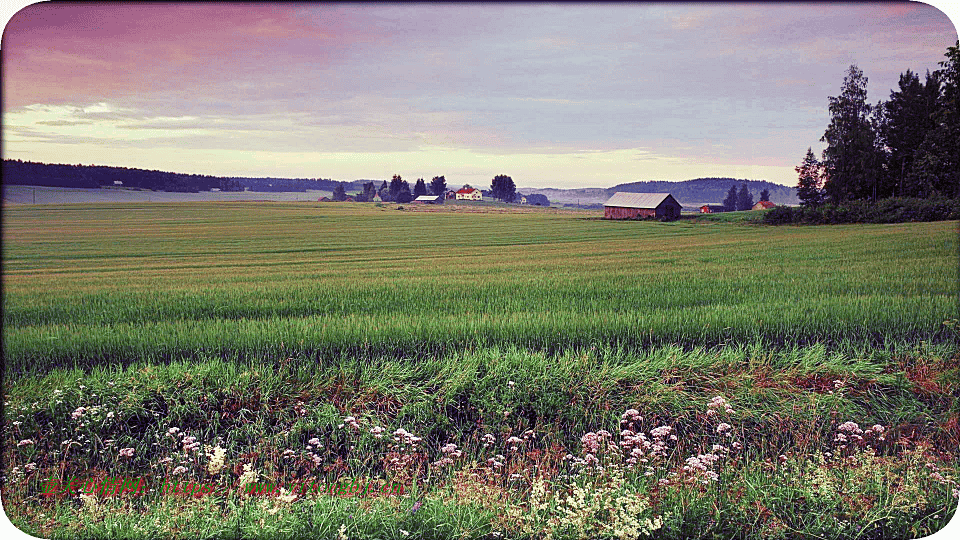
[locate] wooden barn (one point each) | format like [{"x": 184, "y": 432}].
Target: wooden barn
[{"x": 641, "y": 205}]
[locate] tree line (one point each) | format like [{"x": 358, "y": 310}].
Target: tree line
[{"x": 907, "y": 146}]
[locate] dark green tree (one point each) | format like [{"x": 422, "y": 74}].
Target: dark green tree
[
  {"x": 744, "y": 198},
  {"x": 404, "y": 195},
  {"x": 851, "y": 157},
  {"x": 395, "y": 184},
  {"x": 339, "y": 192},
  {"x": 438, "y": 186},
  {"x": 903, "y": 126},
  {"x": 765, "y": 195},
  {"x": 937, "y": 168},
  {"x": 730, "y": 203},
  {"x": 420, "y": 188},
  {"x": 810, "y": 183},
  {"x": 503, "y": 188}
]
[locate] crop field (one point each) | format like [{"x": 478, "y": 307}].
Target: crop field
[{"x": 522, "y": 374}]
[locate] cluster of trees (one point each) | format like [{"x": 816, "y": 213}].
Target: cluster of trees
[
  {"x": 908, "y": 146},
  {"x": 397, "y": 190},
  {"x": 703, "y": 190},
  {"x": 743, "y": 199}
]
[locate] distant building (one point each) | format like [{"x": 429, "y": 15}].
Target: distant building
[
  {"x": 641, "y": 205},
  {"x": 712, "y": 209},
  {"x": 429, "y": 199},
  {"x": 763, "y": 205},
  {"x": 469, "y": 194},
  {"x": 450, "y": 194}
]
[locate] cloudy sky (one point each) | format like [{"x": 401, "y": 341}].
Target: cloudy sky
[{"x": 553, "y": 95}]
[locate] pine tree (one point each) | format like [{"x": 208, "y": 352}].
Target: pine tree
[
  {"x": 730, "y": 203},
  {"x": 810, "y": 184},
  {"x": 744, "y": 198},
  {"x": 420, "y": 188},
  {"x": 438, "y": 186}
]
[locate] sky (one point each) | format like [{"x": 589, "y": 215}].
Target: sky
[{"x": 553, "y": 95}]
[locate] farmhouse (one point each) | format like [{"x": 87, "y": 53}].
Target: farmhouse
[
  {"x": 640, "y": 205},
  {"x": 763, "y": 205},
  {"x": 469, "y": 194},
  {"x": 711, "y": 208}
]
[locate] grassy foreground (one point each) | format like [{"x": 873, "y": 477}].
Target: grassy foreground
[{"x": 527, "y": 375}]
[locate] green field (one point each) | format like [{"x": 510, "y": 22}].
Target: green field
[{"x": 256, "y": 327}]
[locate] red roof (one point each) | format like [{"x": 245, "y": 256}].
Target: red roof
[
  {"x": 465, "y": 190},
  {"x": 765, "y": 204}
]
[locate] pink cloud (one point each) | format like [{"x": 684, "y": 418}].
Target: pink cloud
[{"x": 56, "y": 53}]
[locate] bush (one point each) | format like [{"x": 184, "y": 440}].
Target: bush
[{"x": 892, "y": 210}]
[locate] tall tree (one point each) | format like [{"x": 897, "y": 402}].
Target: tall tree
[
  {"x": 339, "y": 192},
  {"x": 850, "y": 157},
  {"x": 395, "y": 184},
  {"x": 765, "y": 195},
  {"x": 938, "y": 166},
  {"x": 744, "y": 198},
  {"x": 420, "y": 188},
  {"x": 730, "y": 203},
  {"x": 904, "y": 123},
  {"x": 438, "y": 186},
  {"x": 503, "y": 188},
  {"x": 810, "y": 183},
  {"x": 404, "y": 195}
]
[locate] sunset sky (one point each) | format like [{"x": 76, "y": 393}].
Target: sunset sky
[{"x": 553, "y": 95}]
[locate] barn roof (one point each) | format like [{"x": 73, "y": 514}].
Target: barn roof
[
  {"x": 427, "y": 198},
  {"x": 623, "y": 199}
]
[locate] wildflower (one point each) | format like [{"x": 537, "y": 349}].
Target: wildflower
[
  {"x": 350, "y": 421},
  {"x": 110, "y": 414},
  {"x": 25, "y": 442},
  {"x": 314, "y": 442},
  {"x": 179, "y": 470},
  {"x": 510, "y": 384},
  {"x": 342, "y": 532},
  {"x": 723, "y": 427},
  {"x": 404, "y": 533},
  {"x": 514, "y": 442},
  {"x": 78, "y": 412},
  {"x": 216, "y": 460},
  {"x": 164, "y": 461},
  {"x": 415, "y": 507},
  {"x": 287, "y": 454},
  {"x": 661, "y": 431},
  {"x": 30, "y": 466},
  {"x": 488, "y": 439},
  {"x": 377, "y": 431},
  {"x": 190, "y": 443},
  {"x": 126, "y": 452}
]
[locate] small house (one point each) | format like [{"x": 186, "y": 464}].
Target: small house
[
  {"x": 469, "y": 194},
  {"x": 712, "y": 209},
  {"x": 625, "y": 205},
  {"x": 763, "y": 205}
]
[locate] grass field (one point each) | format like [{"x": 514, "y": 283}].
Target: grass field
[{"x": 606, "y": 350}]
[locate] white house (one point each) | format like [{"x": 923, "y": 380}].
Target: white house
[{"x": 469, "y": 194}]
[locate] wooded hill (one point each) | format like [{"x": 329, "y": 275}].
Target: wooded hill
[
  {"x": 28, "y": 173},
  {"x": 710, "y": 190}
]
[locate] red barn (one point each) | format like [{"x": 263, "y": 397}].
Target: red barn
[
  {"x": 763, "y": 205},
  {"x": 641, "y": 205}
]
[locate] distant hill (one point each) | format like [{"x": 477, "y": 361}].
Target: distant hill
[{"x": 702, "y": 191}]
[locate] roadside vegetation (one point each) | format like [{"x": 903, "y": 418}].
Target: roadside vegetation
[{"x": 522, "y": 374}]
